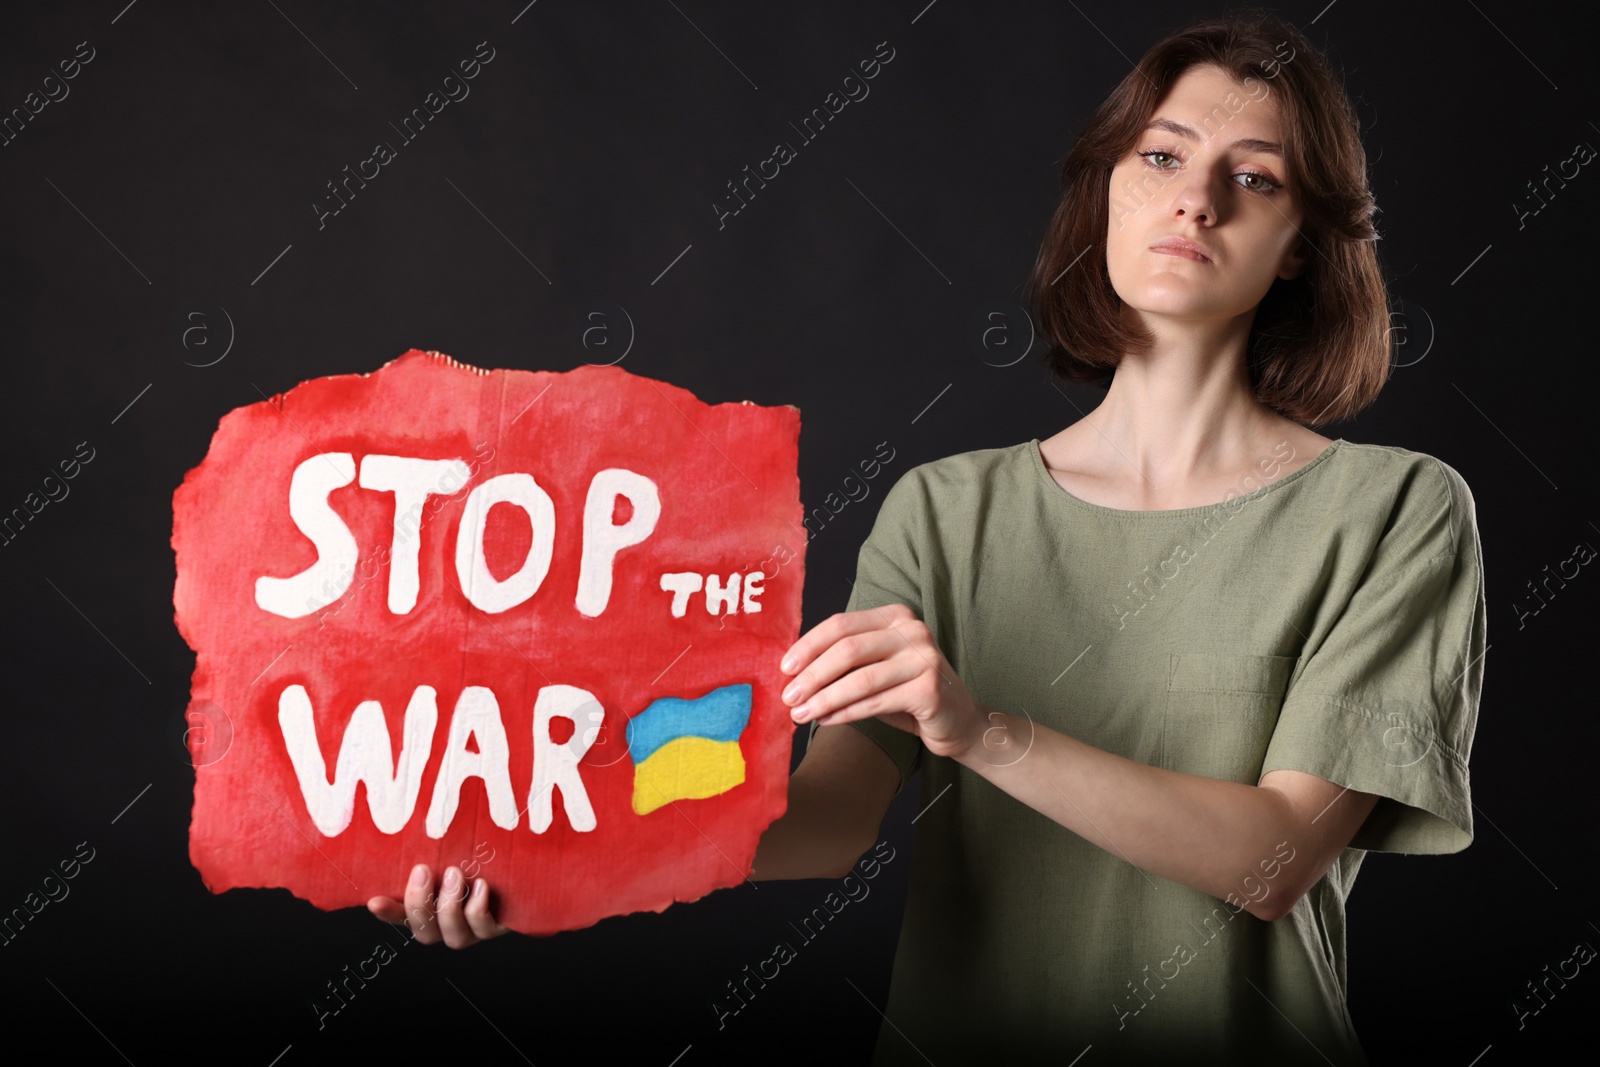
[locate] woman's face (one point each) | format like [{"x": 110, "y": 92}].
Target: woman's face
[{"x": 1204, "y": 170}]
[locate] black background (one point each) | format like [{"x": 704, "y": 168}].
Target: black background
[{"x": 178, "y": 177}]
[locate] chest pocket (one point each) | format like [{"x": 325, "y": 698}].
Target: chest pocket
[{"x": 1220, "y": 711}]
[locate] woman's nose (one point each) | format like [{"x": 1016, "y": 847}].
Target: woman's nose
[{"x": 1194, "y": 198}]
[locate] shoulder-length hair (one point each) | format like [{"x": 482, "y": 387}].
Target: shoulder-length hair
[{"x": 1318, "y": 350}]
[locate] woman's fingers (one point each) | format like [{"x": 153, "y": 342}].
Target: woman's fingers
[
  {"x": 479, "y": 917},
  {"x": 452, "y": 923},
  {"x": 388, "y": 909},
  {"x": 420, "y": 905},
  {"x": 846, "y": 663},
  {"x": 823, "y": 635},
  {"x": 837, "y": 661},
  {"x": 458, "y": 914},
  {"x": 907, "y": 694},
  {"x": 861, "y": 687}
]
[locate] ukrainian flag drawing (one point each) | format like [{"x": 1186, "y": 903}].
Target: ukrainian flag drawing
[{"x": 688, "y": 749}]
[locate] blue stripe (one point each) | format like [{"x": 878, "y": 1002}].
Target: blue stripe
[{"x": 720, "y": 715}]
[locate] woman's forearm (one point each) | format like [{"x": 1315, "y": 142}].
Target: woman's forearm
[
  {"x": 1204, "y": 833},
  {"x": 812, "y": 839}
]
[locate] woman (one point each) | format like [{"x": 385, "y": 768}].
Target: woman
[{"x": 1168, "y": 674}]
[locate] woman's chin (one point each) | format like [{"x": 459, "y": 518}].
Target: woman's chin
[{"x": 1178, "y": 308}]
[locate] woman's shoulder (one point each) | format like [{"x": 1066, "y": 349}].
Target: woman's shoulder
[
  {"x": 1409, "y": 494},
  {"x": 1407, "y": 468},
  {"x": 948, "y": 492},
  {"x": 965, "y": 476},
  {"x": 961, "y": 467}
]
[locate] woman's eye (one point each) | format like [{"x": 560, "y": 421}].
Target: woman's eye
[
  {"x": 1261, "y": 183},
  {"x": 1267, "y": 184},
  {"x": 1158, "y": 152}
]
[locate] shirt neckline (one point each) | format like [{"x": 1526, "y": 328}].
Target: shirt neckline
[{"x": 1054, "y": 488}]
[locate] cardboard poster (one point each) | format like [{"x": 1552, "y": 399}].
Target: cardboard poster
[{"x": 526, "y": 623}]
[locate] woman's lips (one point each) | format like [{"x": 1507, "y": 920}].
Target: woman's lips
[{"x": 1179, "y": 251}]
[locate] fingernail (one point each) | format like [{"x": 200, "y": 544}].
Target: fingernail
[
  {"x": 419, "y": 875},
  {"x": 479, "y": 887},
  {"x": 788, "y": 663},
  {"x": 791, "y": 694},
  {"x": 452, "y": 879},
  {"x": 801, "y": 712}
]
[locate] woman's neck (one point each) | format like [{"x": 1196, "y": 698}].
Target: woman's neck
[{"x": 1175, "y": 427}]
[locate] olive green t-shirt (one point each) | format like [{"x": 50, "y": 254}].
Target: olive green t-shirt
[{"x": 1330, "y": 620}]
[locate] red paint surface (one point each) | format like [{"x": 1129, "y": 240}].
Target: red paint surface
[{"x": 727, "y": 476}]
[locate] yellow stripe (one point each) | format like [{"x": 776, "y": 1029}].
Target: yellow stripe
[{"x": 688, "y": 768}]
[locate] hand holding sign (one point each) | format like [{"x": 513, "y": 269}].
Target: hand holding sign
[
  {"x": 442, "y": 606},
  {"x": 884, "y": 663},
  {"x": 458, "y": 914}
]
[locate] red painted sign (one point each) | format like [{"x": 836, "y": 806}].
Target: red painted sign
[{"x": 438, "y": 607}]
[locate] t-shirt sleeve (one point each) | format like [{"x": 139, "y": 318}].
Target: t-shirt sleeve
[
  {"x": 1387, "y": 703},
  {"x": 889, "y": 571}
]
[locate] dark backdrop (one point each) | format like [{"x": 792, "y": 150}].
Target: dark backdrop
[{"x": 174, "y": 187}]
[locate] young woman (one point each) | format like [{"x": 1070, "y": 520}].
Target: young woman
[{"x": 1168, "y": 674}]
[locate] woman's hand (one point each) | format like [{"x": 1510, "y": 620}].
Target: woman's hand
[
  {"x": 459, "y": 914},
  {"x": 882, "y": 662}
]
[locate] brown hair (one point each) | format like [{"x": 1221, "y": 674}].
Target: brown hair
[{"x": 1318, "y": 350}]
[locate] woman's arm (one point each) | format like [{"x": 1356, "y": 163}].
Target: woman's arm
[
  {"x": 1208, "y": 834},
  {"x": 837, "y": 799},
  {"x": 1216, "y": 836}
]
